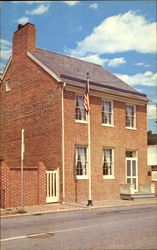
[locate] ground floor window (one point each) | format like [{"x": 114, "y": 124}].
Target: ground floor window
[
  {"x": 81, "y": 161},
  {"x": 108, "y": 163}
]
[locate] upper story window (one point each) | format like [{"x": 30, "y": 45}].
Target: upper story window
[
  {"x": 8, "y": 85},
  {"x": 108, "y": 163},
  {"x": 80, "y": 112},
  {"x": 107, "y": 113},
  {"x": 81, "y": 162},
  {"x": 130, "y": 116}
]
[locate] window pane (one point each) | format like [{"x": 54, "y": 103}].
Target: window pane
[
  {"x": 107, "y": 106},
  {"x": 128, "y": 180},
  {"x": 128, "y": 167},
  {"x": 134, "y": 168},
  {"x": 134, "y": 182}
]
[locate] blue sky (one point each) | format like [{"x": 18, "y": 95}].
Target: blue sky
[{"x": 119, "y": 35}]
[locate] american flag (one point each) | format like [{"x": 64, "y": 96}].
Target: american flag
[{"x": 86, "y": 95}]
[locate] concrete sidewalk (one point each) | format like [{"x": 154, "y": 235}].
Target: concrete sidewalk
[{"x": 58, "y": 207}]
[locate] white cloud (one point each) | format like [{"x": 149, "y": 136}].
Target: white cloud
[
  {"x": 146, "y": 79},
  {"x": 2, "y": 66},
  {"x": 94, "y": 59},
  {"x": 93, "y": 6},
  {"x": 71, "y": 3},
  {"x": 41, "y": 9},
  {"x": 23, "y": 20},
  {"x": 120, "y": 33},
  {"x": 5, "y": 51},
  {"x": 5, "y": 54},
  {"x": 29, "y": 2},
  {"x": 116, "y": 62},
  {"x": 142, "y": 64},
  {"x": 5, "y": 42},
  {"x": 152, "y": 111}
]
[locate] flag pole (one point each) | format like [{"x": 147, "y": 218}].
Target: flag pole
[{"x": 89, "y": 152}]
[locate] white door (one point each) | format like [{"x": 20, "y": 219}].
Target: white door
[
  {"x": 52, "y": 186},
  {"x": 131, "y": 172}
]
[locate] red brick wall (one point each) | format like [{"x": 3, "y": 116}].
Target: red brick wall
[
  {"x": 34, "y": 185},
  {"x": 34, "y": 104},
  {"x": 117, "y": 137}
]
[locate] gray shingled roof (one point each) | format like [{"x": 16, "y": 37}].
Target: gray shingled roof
[{"x": 75, "y": 70}]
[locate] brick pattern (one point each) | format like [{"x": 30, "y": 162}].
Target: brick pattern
[
  {"x": 117, "y": 137},
  {"x": 34, "y": 188}
]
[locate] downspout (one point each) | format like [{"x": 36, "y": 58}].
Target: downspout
[{"x": 63, "y": 166}]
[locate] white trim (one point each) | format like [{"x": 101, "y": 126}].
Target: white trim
[
  {"x": 108, "y": 125},
  {"x": 6, "y": 68},
  {"x": 82, "y": 177},
  {"x": 131, "y": 128},
  {"x": 42, "y": 65},
  {"x": 108, "y": 177},
  {"x": 81, "y": 121}
]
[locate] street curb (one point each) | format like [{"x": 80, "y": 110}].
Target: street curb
[{"x": 76, "y": 209}]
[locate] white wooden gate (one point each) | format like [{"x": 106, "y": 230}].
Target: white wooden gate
[{"x": 52, "y": 186}]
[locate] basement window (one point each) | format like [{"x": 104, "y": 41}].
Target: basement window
[{"x": 8, "y": 85}]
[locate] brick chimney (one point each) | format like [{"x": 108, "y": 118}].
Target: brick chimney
[{"x": 24, "y": 39}]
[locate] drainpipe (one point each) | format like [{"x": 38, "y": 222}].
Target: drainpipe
[{"x": 63, "y": 167}]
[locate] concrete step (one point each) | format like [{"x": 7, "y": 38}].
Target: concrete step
[{"x": 137, "y": 195}]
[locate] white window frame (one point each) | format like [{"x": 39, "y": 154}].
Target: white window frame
[
  {"x": 8, "y": 85},
  {"x": 134, "y": 120},
  {"x": 112, "y": 113},
  {"x": 109, "y": 176},
  {"x": 83, "y": 176},
  {"x": 82, "y": 108}
]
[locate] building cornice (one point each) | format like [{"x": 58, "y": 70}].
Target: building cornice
[{"x": 106, "y": 94}]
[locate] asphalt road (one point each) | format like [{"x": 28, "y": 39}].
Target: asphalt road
[{"x": 96, "y": 229}]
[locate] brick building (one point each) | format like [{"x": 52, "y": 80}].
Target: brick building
[{"x": 42, "y": 93}]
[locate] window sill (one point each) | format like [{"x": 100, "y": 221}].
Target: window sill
[
  {"x": 80, "y": 121},
  {"x": 85, "y": 177},
  {"x": 108, "y": 177},
  {"x": 108, "y": 125},
  {"x": 131, "y": 128},
  {"x": 7, "y": 90}
]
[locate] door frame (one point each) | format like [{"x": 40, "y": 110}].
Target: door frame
[{"x": 131, "y": 176}]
